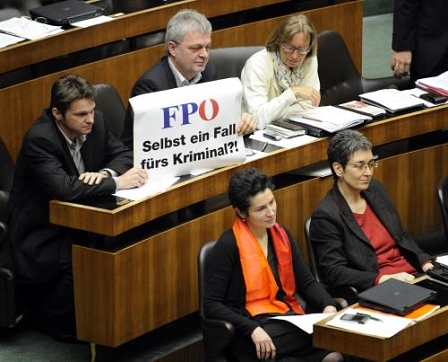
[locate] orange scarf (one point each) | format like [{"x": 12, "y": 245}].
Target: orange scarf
[{"x": 261, "y": 287}]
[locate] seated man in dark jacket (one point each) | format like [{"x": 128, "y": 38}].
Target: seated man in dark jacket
[{"x": 67, "y": 154}]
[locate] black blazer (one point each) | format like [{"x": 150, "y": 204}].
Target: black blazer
[
  {"x": 225, "y": 290},
  {"x": 45, "y": 171},
  {"x": 159, "y": 77},
  {"x": 422, "y": 27},
  {"x": 343, "y": 252}
]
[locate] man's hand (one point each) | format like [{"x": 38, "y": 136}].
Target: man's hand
[
  {"x": 247, "y": 124},
  {"x": 135, "y": 177},
  {"x": 91, "y": 178},
  {"x": 263, "y": 344},
  {"x": 401, "y": 63}
]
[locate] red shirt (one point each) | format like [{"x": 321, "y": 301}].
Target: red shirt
[{"x": 389, "y": 258}]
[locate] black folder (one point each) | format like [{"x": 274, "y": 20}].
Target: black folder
[
  {"x": 66, "y": 12},
  {"x": 396, "y": 297}
]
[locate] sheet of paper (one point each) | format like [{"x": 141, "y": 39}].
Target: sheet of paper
[
  {"x": 91, "y": 22},
  {"x": 386, "y": 326},
  {"x": 284, "y": 142},
  {"x": 305, "y": 322},
  {"x": 6, "y": 39},
  {"x": 150, "y": 188},
  {"x": 28, "y": 29}
]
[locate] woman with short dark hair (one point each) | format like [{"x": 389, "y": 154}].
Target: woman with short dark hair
[{"x": 255, "y": 271}]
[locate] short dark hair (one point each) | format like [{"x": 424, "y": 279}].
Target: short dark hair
[
  {"x": 69, "y": 88},
  {"x": 343, "y": 145},
  {"x": 245, "y": 184}
]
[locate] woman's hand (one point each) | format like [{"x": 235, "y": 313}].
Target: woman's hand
[
  {"x": 308, "y": 93},
  {"x": 405, "y": 277},
  {"x": 263, "y": 344},
  {"x": 330, "y": 309}
]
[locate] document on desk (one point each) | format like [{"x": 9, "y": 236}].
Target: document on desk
[
  {"x": 305, "y": 321},
  {"x": 284, "y": 142},
  {"x": 438, "y": 84},
  {"x": 392, "y": 100},
  {"x": 28, "y": 29},
  {"x": 377, "y": 324},
  {"x": 150, "y": 188},
  {"x": 7, "y": 39},
  {"x": 330, "y": 118}
]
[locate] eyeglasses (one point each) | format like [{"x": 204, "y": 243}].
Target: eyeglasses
[
  {"x": 361, "y": 166},
  {"x": 291, "y": 49}
]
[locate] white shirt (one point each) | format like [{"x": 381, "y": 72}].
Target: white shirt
[{"x": 263, "y": 97}]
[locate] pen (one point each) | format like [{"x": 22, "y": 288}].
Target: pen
[{"x": 369, "y": 316}]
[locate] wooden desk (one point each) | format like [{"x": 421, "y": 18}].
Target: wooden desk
[
  {"x": 384, "y": 349},
  {"x": 126, "y": 26},
  {"x": 123, "y": 293}
]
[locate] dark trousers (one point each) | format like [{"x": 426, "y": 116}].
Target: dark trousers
[
  {"x": 292, "y": 344},
  {"x": 50, "y": 306}
]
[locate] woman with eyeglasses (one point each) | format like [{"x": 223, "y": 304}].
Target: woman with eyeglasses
[
  {"x": 281, "y": 80},
  {"x": 355, "y": 230}
]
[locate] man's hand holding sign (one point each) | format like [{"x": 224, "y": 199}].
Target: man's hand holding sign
[{"x": 178, "y": 132}]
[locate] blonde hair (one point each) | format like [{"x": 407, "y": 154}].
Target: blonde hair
[{"x": 289, "y": 27}]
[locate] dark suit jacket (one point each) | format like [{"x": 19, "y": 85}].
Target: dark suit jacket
[
  {"x": 421, "y": 26},
  {"x": 45, "y": 171},
  {"x": 157, "y": 78},
  {"x": 344, "y": 254}
]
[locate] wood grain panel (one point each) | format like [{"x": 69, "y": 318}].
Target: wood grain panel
[
  {"x": 129, "y": 25},
  {"x": 214, "y": 183},
  {"x": 154, "y": 281}
]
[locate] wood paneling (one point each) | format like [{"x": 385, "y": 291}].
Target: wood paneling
[
  {"x": 215, "y": 183},
  {"x": 154, "y": 281}
]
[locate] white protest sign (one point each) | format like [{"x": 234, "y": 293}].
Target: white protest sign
[{"x": 183, "y": 130}]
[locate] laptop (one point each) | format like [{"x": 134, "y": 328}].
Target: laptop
[
  {"x": 396, "y": 297},
  {"x": 66, "y": 12}
]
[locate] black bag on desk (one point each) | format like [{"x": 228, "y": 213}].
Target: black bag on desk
[{"x": 396, "y": 297}]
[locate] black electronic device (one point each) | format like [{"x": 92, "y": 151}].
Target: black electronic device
[
  {"x": 357, "y": 318},
  {"x": 396, "y": 297},
  {"x": 64, "y": 13}
]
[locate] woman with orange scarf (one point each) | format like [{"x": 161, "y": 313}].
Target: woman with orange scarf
[{"x": 255, "y": 271}]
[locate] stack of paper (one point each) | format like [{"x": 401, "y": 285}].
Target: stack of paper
[
  {"x": 285, "y": 128},
  {"x": 392, "y": 100},
  {"x": 330, "y": 119},
  {"x": 363, "y": 108},
  {"x": 437, "y": 84},
  {"x": 28, "y": 29}
]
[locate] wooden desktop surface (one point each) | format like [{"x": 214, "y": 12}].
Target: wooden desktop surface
[
  {"x": 381, "y": 349},
  {"x": 131, "y": 215},
  {"x": 123, "y": 293},
  {"x": 129, "y": 25}
]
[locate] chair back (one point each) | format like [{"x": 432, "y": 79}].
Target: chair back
[
  {"x": 230, "y": 61},
  {"x": 6, "y": 178},
  {"x": 109, "y": 102},
  {"x": 217, "y": 333},
  {"x": 340, "y": 80},
  {"x": 311, "y": 255},
  {"x": 9, "y": 314},
  {"x": 442, "y": 197}
]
